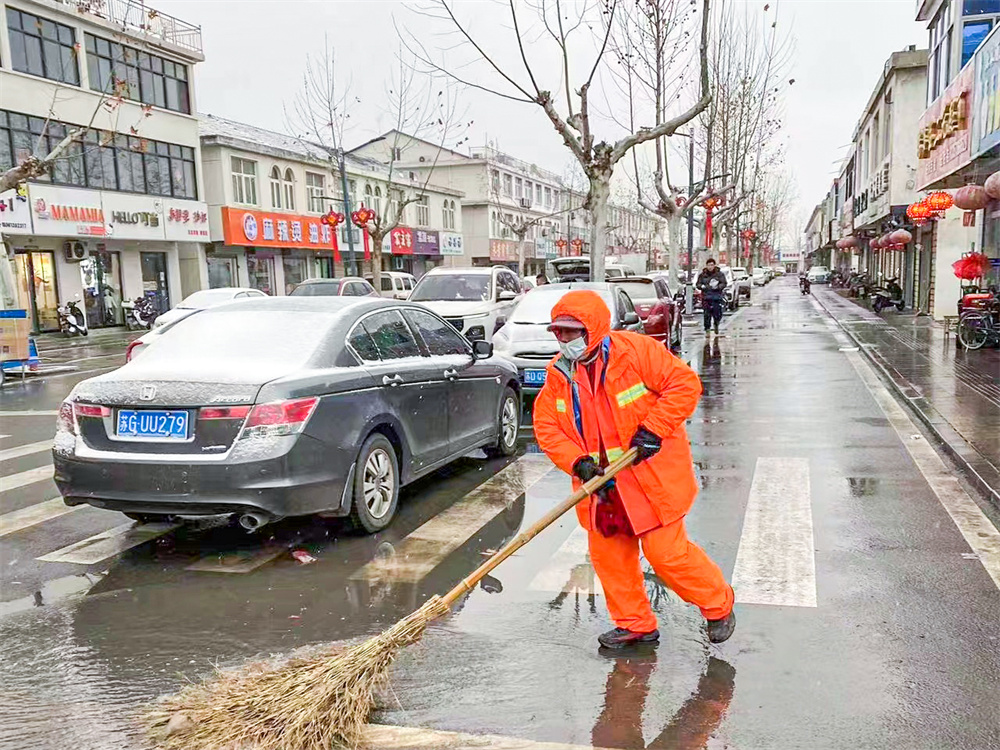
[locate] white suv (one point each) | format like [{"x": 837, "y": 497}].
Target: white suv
[{"x": 476, "y": 301}]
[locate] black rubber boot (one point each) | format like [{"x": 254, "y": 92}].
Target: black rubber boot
[
  {"x": 720, "y": 630},
  {"x": 621, "y": 638}
]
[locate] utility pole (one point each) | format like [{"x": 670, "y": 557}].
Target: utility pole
[
  {"x": 347, "y": 215},
  {"x": 689, "y": 293}
]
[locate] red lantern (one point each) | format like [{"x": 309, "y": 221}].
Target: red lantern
[
  {"x": 918, "y": 211},
  {"x": 992, "y": 186},
  {"x": 939, "y": 202},
  {"x": 331, "y": 218},
  {"x": 971, "y": 198},
  {"x": 363, "y": 216},
  {"x": 873, "y": 243},
  {"x": 900, "y": 237}
]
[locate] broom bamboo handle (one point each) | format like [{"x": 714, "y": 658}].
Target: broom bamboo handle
[{"x": 589, "y": 488}]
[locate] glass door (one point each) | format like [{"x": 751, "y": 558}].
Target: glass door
[
  {"x": 101, "y": 275},
  {"x": 36, "y": 288},
  {"x": 154, "y": 279},
  {"x": 260, "y": 267},
  {"x": 222, "y": 271}
]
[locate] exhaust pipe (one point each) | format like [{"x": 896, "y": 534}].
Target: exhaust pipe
[{"x": 253, "y": 521}]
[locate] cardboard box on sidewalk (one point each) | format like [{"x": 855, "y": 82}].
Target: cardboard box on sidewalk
[{"x": 14, "y": 331}]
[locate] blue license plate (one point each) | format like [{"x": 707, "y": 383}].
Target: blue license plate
[
  {"x": 534, "y": 377},
  {"x": 155, "y": 425}
]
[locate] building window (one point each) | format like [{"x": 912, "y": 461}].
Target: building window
[
  {"x": 518, "y": 188},
  {"x": 448, "y": 214},
  {"x": 289, "y": 187},
  {"x": 423, "y": 211},
  {"x": 42, "y": 48},
  {"x": 973, "y": 34},
  {"x": 244, "y": 181},
  {"x": 368, "y": 196},
  {"x": 548, "y": 197},
  {"x": 495, "y": 181},
  {"x": 102, "y": 159},
  {"x": 876, "y": 142},
  {"x": 314, "y": 189},
  {"x": 377, "y": 201},
  {"x": 139, "y": 76},
  {"x": 529, "y": 189},
  {"x": 980, "y": 7},
  {"x": 939, "y": 59},
  {"x": 275, "y": 187},
  {"x": 508, "y": 185},
  {"x": 538, "y": 194}
]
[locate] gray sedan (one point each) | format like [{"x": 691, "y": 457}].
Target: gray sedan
[{"x": 285, "y": 406}]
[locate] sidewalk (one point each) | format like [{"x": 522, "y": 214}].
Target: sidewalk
[{"x": 954, "y": 392}]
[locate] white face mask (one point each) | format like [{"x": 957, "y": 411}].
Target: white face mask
[{"x": 573, "y": 350}]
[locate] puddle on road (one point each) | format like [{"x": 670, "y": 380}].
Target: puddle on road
[{"x": 863, "y": 486}]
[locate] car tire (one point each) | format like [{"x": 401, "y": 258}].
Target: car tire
[
  {"x": 676, "y": 344},
  {"x": 376, "y": 485},
  {"x": 509, "y": 423}
]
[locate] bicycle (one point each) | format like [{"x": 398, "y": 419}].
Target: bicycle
[{"x": 976, "y": 328}]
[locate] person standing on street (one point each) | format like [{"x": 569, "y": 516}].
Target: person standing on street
[
  {"x": 541, "y": 279},
  {"x": 609, "y": 390},
  {"x": 712, "y": 283}
]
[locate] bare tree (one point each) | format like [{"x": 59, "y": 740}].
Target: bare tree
[
  {"x": 564, "y": 28},
  {"x": 420, "y": 110}
]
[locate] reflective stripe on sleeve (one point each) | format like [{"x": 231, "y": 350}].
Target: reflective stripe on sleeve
[{"x": 630, "y": 395}]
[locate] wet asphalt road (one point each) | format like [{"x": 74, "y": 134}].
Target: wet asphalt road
[{"x": 892, "y": 640}]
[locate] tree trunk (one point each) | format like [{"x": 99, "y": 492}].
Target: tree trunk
[
  {"x": 376, "y": 240},
  {"x": 520, "y": 256},
  {"x": 675, "y": 226},
  {"x": 600, "y": 192}
]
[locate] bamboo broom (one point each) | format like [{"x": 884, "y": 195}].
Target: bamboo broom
[{"x": 323, "y": 701}]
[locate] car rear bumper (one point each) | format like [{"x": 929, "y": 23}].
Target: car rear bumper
[{"x": 278, "y": 487}]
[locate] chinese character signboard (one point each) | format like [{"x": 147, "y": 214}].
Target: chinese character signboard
[
  {"x": 264, "y": 229},
  {"x": 185, "y": 220},
  {"x": 451, "y": 244},
  {"x": 986, "y": 119},
  {"x": 15, "y": 213},
  {"x": 401, "y": 241},
  {"x": 426, "y": 243},
  {"x": 944, "y": 138},
  {"x": 503, "y": 250}
]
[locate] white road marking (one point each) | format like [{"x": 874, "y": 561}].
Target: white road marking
[
  {"x": 424, "y": 548},
  {"x": 26, "y": 450},
  {"x": 776, "y": 561},
  {"x": 981, "y": 535},
  {"x": 109, "y": 543},
  {"x": 24, "y": 478},
  {"x": 569, "y": 570},
  {"x": 417, "y": 738},
  {"x": 34, "y": 515},
  {"x": 39, "y": 413},
  {"x": 4, "y": 436},
  {"x": 238, "y": 561}
]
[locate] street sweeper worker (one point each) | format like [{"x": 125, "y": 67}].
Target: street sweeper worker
[{"x": 606, "y": 392}]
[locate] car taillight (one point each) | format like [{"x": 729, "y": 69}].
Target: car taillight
[
  {"x": 223, "y": 412},
  {"x": 66, "y": 421},
  {"x": 279, "y": 417},
  {"x": 133, "y": 350},
  {"x": 91, "y": 410}
]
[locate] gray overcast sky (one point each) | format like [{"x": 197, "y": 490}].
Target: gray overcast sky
[{"x": 255, "y": 52}]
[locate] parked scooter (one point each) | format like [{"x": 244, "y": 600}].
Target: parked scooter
[
  {"x": 890, "y": 294},
  {"x": 804, "y": 284},
  {"x": 72, "y": 322},
  {"x": 860, "y": 286},
  {"x": 139, "y": 313}
]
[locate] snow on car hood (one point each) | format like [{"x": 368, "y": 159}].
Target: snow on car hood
[
  {"x": 515, "y": 338},
  {"x": 458, "y": 308}
]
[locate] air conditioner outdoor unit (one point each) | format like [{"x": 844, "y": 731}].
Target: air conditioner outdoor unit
[
  {"x": 74, "y": 251},
  {"x": 524, "y": 202}
]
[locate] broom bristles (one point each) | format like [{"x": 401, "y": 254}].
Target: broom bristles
[{"x": 314, "y": 703}]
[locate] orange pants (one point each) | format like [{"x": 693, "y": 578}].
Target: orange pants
[{"x": 679, "y": 563}]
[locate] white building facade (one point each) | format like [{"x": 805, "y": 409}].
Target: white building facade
[{"x": 123, "y": 208}]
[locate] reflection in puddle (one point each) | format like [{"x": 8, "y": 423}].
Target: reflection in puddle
[{"x": 862, "y": 486}]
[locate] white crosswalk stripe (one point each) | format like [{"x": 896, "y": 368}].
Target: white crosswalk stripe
[
  {"x": 24, "y": 478},
  {"x": 109, "y": 543},
  {"x": 25, "y": 450},
  {"x": 33, "y": 515},
  {"x": 569, "y": 570}
]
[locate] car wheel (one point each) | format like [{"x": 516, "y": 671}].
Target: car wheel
[
  {"x": 376, "y": 485},
  {"x": 508, "y": 426},
  {"x": 676, "y": 344}
]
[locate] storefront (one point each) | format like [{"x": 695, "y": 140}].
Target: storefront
[
  {"x": 271, "y": 252},
  {"x": 504, "y": 253},
  {"x": 99, "y": 248},
  {"x": 986, "y": 145}
]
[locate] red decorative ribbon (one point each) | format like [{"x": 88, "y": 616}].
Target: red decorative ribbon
[{"x": 368, "y": 244}]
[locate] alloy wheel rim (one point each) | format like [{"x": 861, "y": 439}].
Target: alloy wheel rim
[
  {"x": 378, "y": 484},
  {"x": 509, "y": 422}
]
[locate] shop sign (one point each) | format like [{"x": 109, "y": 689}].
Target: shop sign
[
  {"x": 986, "y": 119},
  {"x": 503, "y": 250},
  {"x": 426, "y": 243},
  {"x": 133, "y": 217},
  {"x": 529, "y": 249},
  {"x": 15, "y": 213},
  {"x": 185, "y": 220},
  {"x": 66, "y": 212},
  {"x": 400, "y": 241},
  {"x": 545, "y": 248},
  {"x": 451, "y": 244},
  {"x": 264, "y": 229},
  {"x": 944, "y": 140}
]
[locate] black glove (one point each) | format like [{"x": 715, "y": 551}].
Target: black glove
[
  {"x": 586, "y": 468},
  {"x": 647, "y": 443}
]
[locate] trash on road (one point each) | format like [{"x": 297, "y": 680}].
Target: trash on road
[{"x": 303, "y": 557}]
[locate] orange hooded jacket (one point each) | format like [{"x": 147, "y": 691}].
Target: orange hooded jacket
[{"x": 646, "y": 385}]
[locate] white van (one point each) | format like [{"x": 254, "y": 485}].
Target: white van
[{"x": 395, "y": 284}]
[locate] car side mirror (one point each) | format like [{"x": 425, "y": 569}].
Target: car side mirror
[
  {"x": 630, "y": 319},
  {"x": 506, "y": 296},
  {"x": 482, "y": 349}
]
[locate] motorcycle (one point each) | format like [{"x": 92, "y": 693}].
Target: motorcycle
[
  {"x": 139, "y": 313},
  {"x": 72, "y": 322},
  {"x": 860, "y": 286},
  {"x": 804, "y": 284},
  {"x": 890, "y": 294}
]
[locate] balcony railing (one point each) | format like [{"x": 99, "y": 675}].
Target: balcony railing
[{"x": 137, "y": 17}]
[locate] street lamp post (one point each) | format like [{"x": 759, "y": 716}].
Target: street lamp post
[
  {"x": 347, "y": 210},
  {"x": 689, "y": 288}
]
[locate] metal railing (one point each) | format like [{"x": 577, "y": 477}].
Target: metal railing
[{"x": 135, "y": 16}]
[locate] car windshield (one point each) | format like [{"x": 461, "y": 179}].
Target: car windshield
[
  {"x": 208, "y": 298},
  {"x": 536, "y": 307},
  {"x": 462, "y": 287},
  {"x": 638, "y": 291},
  {"x": 320, "y": 289},
  {"x": 739, "y": 273}
]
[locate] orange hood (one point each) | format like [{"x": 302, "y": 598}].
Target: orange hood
[{"x": 590, "y": 309}]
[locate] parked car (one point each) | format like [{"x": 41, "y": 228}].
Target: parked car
[
  {"x": 349, "y": 286},
  {"x": 818, "y": 275},
  {"x": 395, "y": 284},
  {"x": 476, "y": 301},
  {"x": 285, "y": 406},
  {"x": 527, "y": 343},
  {"x": 577, "y": 268},
  {"x": 203, "y": 300},
  {"x": 742, "y": 282},
  {"x": 759, "y": 276},
  {"x": 656, "y": 307}
]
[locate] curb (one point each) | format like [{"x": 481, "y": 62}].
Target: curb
[{"x": 977, "y": 469}]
